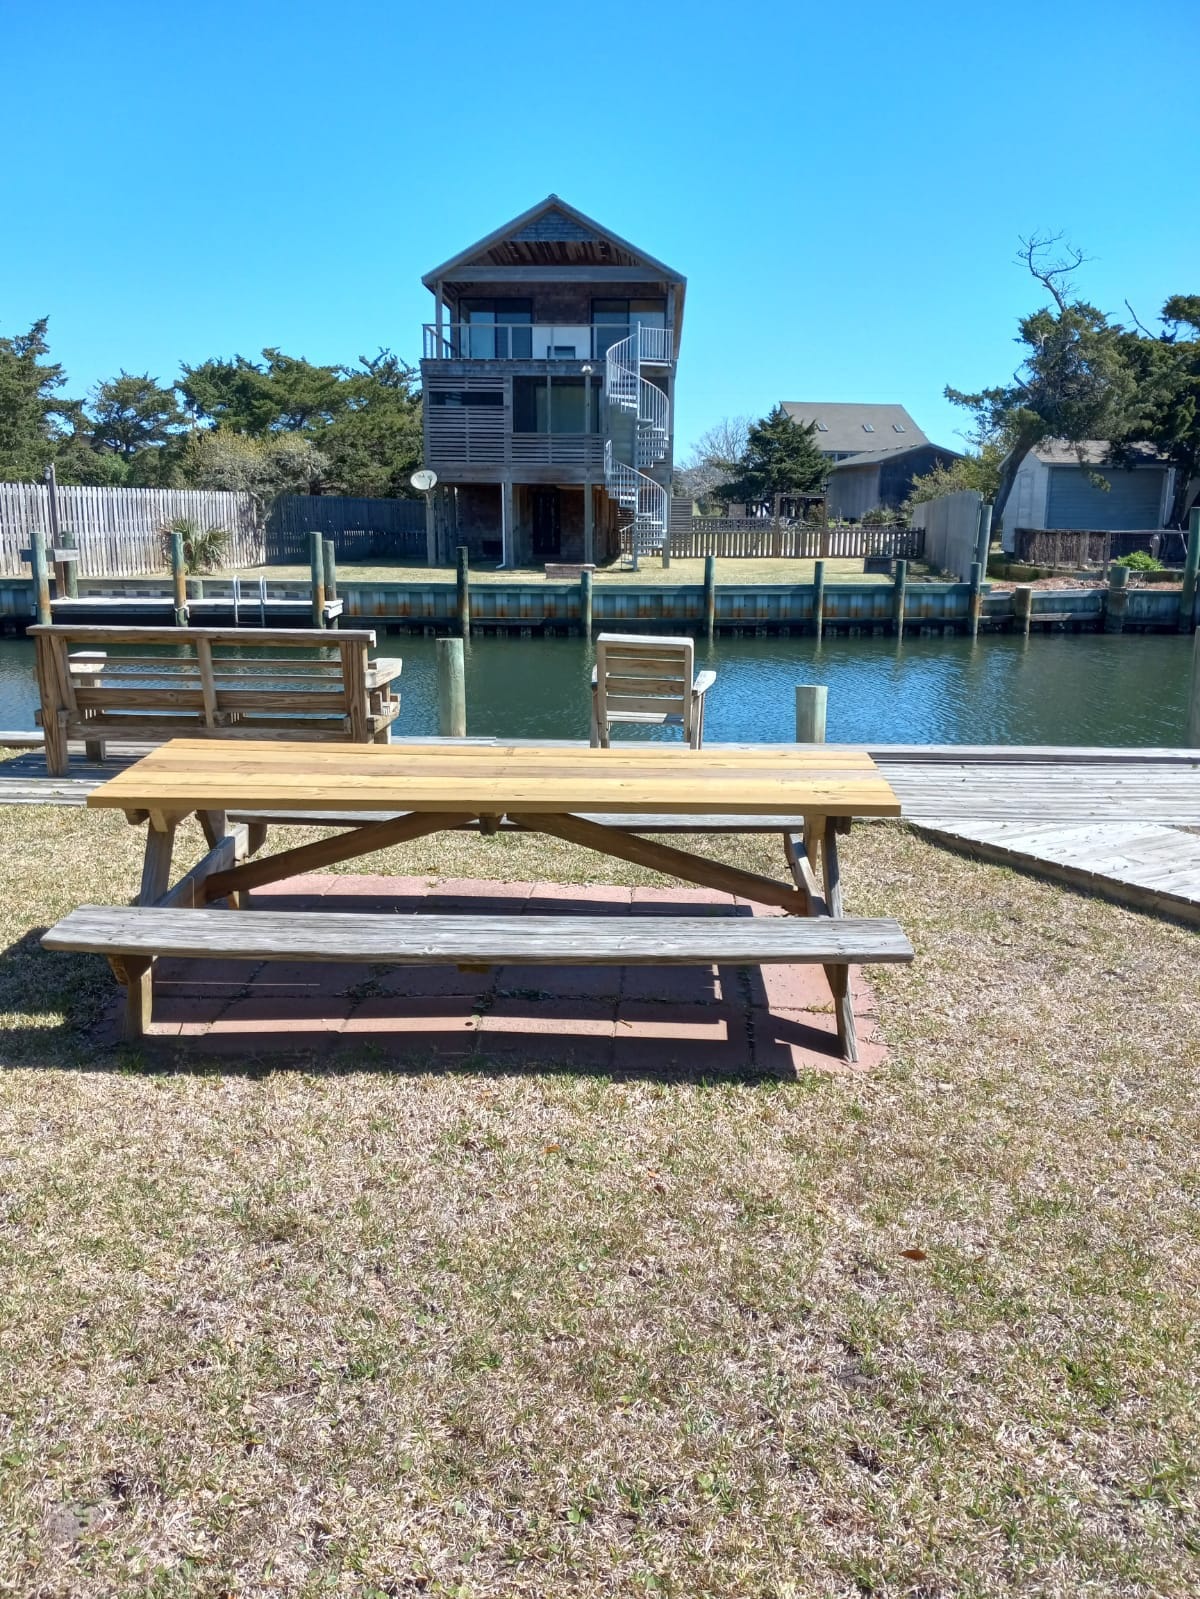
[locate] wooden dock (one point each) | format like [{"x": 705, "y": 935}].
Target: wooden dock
[
  {"x": 110, "y": 610},
  {"x": 1108, "y": 821}
]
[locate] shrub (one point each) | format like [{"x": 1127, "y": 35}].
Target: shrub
[
  {"x": 1139, "y": 561},
  {"x": 203, "y": 547}
]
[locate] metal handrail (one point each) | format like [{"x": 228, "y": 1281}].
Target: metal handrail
[{"x": 538, "y": 341}]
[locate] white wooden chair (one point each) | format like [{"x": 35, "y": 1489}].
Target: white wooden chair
[{"x": 647, "y": 680}]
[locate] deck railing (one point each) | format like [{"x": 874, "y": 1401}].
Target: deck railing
[
  {"x": 742, "y": 538},
  {"x": 537, "y": 341}
]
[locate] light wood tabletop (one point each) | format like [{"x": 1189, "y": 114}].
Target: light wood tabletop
[{"x": 189, "y": 775}]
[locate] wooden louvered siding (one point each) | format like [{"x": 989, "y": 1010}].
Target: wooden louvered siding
[
  {"x": 744, "y": 538},
  {"x": 117, "y": 531},
  {"x": 361, "y": 529}
]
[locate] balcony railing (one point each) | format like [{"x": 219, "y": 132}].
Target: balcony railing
[{"x": 537, "y": 341}]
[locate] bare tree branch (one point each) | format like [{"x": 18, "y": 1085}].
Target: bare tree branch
[{"x": 1053, "y": 274}]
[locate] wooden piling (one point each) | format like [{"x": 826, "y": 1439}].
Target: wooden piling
[
  {"x": 463, "y": 583},
  {"x": 811, "y": 702},
  {"x": 451, "y": 688},
  {"x": 1116, "y": 601},
  {"x": 819, "y": 598},
  {"x": 585, "y": 604},
  {"x": 1193, "y": 723},
  {"x": 1022, "y": 604},
  {"x": 1191, "y": 566},
  {"x": 316, "y": 570},
  {"x": 900, "y": 597},
  {"x": 41, "y": 575},
  {"x": 983, "y": 537},
  {"x": 70, "y": 569},
  {"x": 710, "y": 594},
  {"x": 974, "y": 598},
  {"x": 179, "y": 580}
]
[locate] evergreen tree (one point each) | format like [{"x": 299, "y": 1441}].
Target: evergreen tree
[
  {"x": 131, "y": 413},
  {"x": 781, "y": 460},
  {"x": 28, "y": 431}
]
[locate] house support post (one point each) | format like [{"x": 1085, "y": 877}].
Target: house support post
[
  {"x": 1191, "y": 565},
  {"x": 507, "y": 540},
  {"x": 589, "y": 530},
  {"x": 819, "y": 599},
  {"x": 431, "y": 540},
  {"x": 1116, "y": 601}
]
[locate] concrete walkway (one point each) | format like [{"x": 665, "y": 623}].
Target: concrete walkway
[{"x": 658, "y": 1021}]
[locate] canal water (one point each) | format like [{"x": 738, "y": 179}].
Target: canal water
[{"x": 1129, "y": 689}]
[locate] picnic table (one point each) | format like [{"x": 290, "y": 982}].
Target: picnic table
[{"x": 379, "y": 795}]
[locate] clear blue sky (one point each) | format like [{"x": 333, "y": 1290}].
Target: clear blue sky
[{"x": 843, "y": 185}]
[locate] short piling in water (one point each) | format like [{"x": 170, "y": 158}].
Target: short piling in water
[
  {"x": 974, "y": 598},
  {"x": 463, "y": 590},
  {"x": 819, "y": 598},
  {"x": 1022, "y": 604},
  {"x": 1116, "y": 600},
  {"x": 1191, "y": 566},
  {"x": 1193, "y": 722},
  {"x": 585, "y": 604},
  {"x": 899, "y": 597},
  {"x": 710, "y": 594},
  {"x": 329, "y": 567},
  {"x": 451, "y": 688},
  {"x": 41, "y": 575},
  {"x": 316, "y": 572},
  {"x": 179, "y": 580},
  {"x": 811, "y": 702}
]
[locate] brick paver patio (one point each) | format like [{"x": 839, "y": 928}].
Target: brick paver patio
[{"x": 776, "y": 1020}]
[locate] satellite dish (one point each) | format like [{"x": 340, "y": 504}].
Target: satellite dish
[{"x": 423, "y": 480}]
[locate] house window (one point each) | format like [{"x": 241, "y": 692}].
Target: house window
[
  {"x": 821, "y": 428},
  {"x": 555, "y": 406},
  {"x": 898, "y": 427},
  {"x": 868, "y": 427},
  {"x": 615, "y": 319},
  {"x": 497, "y": 329},
  {"x": 466, "y": 397}
]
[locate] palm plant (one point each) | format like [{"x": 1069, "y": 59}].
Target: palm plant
[{"x": 203, "y": 547}]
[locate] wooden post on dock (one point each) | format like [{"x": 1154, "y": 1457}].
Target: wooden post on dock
[
  {"x": 41, "y": 575},
  {"x": 1193, "y": 724},
  {"x": 819, "y": 598},
  {"x": 179, "y": 580},
  {"x": 710, "y": 594},
  {"x": 70, "y": 569},
  {"x": 585, "y": 604},
  {"x": 1116, "y": 601},
  {"x": 1191, "y": 566},
  {"x": 330, "y": 570},
  {"x": 463, "y": 584},
  {"x": 451, "y": 688},
  {"x": 975, "y": 598},
  {"x": 1022, "y": 604},
  {"x": 900, "y": 597},
  {"x": 316, "y": 570},
  {"x": 811, "y": 702}
]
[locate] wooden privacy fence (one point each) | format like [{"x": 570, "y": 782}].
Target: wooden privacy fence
[
  {"x": 745, "y": 538},
  {"x": 117, "y": 531},
  {"x": 1075, "y": 547},
  {"x": 361, "y": 529}
]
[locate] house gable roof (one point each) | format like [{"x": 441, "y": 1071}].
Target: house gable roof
[
  {"x": 876, "y": 457},
  {"x": 552, "y": 233},
  {"x": 1094, "y": 452},
  {"x": 846, "y": 425}
]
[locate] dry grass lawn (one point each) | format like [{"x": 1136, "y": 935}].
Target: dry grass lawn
[
  {"x": 651, "y": 572},
  {"x": 928, "y": 1333}
]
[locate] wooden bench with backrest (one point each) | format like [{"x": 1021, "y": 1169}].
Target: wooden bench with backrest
[
  {"x": 146, "y": 684},
  {"x": 133, "y": 937},
  {"x": 649, "y": 681}
]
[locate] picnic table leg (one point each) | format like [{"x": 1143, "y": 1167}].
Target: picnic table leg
[
  {"x": 156, "y": 867},
  {"x": 839, "y": 976},
  {"x": 133, "y": 973},
  {"x": 216, "y": 828}
]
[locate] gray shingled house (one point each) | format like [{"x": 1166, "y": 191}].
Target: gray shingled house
[{"x": 876, "y": 451}]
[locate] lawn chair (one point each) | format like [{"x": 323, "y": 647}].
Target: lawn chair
[{"x": 647, "y": 680}]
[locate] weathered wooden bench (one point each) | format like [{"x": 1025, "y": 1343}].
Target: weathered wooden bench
[
  {"x": 99, "y": 683},
  {"x": 571, "y": 571},
  {"x": 133, "y": 937}
]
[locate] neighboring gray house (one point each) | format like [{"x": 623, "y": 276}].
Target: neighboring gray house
[
  {"x": 1055, "y": 487},
  {"x": 876, "y": 451}
]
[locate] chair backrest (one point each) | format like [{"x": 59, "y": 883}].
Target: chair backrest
[{"x": 638, "y": 676}]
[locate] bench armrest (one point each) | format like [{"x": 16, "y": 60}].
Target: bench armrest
[
  {"x": 383, "y": 671},
  {"x": 704, "y": 681}
]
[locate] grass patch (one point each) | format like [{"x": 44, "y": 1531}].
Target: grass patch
[
  {"x": 927, "y": 1332},
  {"x": 651, "y": 572}
]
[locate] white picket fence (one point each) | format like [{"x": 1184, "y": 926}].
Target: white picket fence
[{"x": 117, "y": 531}]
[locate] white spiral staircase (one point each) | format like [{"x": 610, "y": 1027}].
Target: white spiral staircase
[{"x": 645, "y": 439}]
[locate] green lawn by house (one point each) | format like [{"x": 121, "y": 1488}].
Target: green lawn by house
[{"x": 929, "y": 1331}]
